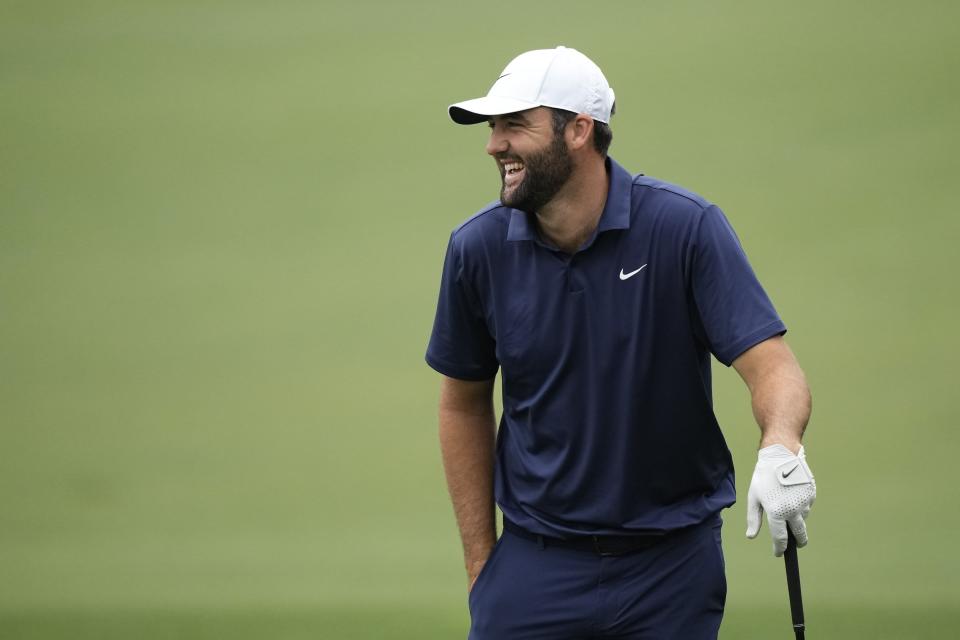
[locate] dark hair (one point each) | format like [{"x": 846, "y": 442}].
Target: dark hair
[{"x": 602, "y": 134}]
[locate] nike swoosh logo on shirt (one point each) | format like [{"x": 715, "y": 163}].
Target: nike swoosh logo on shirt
[
  {"x": 624, "y": 276},
  {"x": 787, "y": 473}
]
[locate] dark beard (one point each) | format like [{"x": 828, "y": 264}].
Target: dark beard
[{"x": 546, "y": 173}]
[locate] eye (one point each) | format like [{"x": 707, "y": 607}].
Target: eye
[{"x": 509, "y": 124}]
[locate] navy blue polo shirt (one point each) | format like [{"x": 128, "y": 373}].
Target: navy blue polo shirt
[{"x": 608, "y": 423}]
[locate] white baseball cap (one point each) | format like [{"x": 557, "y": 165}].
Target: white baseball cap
[{"x": 561, "y": 78}]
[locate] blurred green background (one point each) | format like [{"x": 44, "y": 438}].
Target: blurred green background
[{"x": 221, "y": 232}]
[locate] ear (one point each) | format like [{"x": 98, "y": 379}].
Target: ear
[{"x": 580, "y": 132}]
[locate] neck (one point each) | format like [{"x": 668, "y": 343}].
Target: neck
[{"x": 573, "y": 214}]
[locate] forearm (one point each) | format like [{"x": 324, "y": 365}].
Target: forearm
[
  {"x": 467, "y": 446},
  {"x": 779, "y": 394}
]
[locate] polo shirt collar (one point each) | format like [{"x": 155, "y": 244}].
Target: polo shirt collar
[{"x": 616, "y": 211}]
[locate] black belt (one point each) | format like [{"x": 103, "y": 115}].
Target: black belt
[{"x": 600, "y": 545}]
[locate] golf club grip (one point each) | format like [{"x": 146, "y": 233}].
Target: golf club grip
[{"x": 793, "y": 585}]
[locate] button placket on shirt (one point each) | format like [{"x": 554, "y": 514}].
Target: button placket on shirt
[{"x": 572, "y": 285}]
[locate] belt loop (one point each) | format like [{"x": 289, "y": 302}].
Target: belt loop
[{"x": 540, "y": 542}]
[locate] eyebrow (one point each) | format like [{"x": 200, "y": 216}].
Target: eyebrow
[{"x": 516, "y": 115}]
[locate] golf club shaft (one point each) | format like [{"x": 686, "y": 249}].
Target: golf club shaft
[{"x": 793, "y": 585}]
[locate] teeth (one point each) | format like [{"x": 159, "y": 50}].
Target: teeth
[{"x": 510, "y": 167}]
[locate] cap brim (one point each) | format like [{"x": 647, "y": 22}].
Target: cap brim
[{"x": 480, "y": 109}]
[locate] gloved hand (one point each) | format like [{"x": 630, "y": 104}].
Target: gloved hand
[{"x": 783, "y": 486}]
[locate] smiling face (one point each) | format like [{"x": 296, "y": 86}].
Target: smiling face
[{"x": 533, "y": 159}]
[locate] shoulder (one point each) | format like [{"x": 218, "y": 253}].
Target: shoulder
[
  {"x": 654, "y": 193},
  {"x": 486, "y": 227},
  {"x": 669, "y": 210}
]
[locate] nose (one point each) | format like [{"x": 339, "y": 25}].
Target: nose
[{"x": 497, "y": 142}]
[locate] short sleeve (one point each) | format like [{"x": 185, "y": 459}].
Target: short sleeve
[
  {"x": 460, "y": 345},
  {"x": 734, "y": 310}
]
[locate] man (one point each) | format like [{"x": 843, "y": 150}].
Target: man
[{"x": 600, "y": 297}]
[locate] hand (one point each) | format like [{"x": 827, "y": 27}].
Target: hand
[
  {"x": 474, "y": 572},
  {"x": 783, "y": 486}
]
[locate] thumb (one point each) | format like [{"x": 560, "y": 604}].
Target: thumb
[{"x": 754, "y": 516}]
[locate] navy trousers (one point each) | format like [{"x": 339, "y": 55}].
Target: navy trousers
[{"x": 673, "y": 590}]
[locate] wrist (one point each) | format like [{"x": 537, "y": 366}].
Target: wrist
[
  {"x": 477, "y": 558},
  {"x": 792, "y": 444},
  {"x": 473, "y": 570}
]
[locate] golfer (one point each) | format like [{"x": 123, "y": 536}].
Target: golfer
[{"x": 600, "y": 297}]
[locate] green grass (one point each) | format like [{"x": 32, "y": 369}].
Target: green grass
[
  {"x": 414, "y": 623},
  {"x": 221, "y": 231}
]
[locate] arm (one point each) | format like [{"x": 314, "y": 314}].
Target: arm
[
  {"x": 778, "y": 391},
  {"x": 467, "y": 436},
  {"x": 782, "y": 483}
]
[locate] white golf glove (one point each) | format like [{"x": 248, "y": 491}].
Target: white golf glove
[{"x": 783, "y": 486}]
